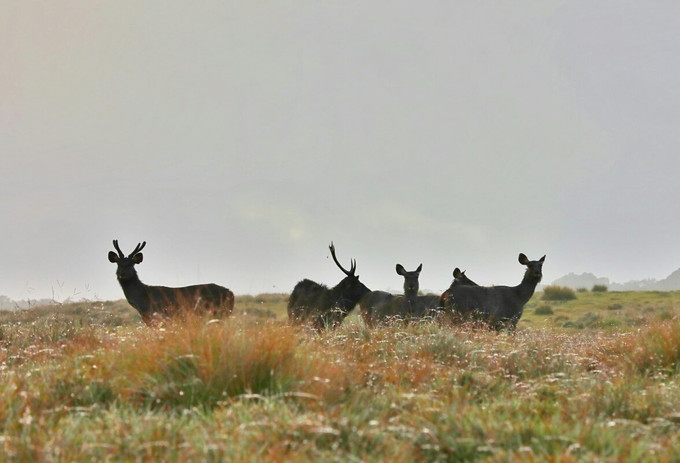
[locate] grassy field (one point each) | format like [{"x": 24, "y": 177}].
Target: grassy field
[{"x": 591, "y": 379}]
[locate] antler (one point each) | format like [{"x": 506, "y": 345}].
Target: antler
[
  {"x": 138, "y": 248},
  {"x": 120, "y": 253},
  {"x": 353, "y": 262}
]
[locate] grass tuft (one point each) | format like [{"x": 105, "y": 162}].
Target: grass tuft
[{"x": 195, "y": 363}]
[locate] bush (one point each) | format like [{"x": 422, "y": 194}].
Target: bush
[
  {"x": 544, "y": 310},
  {"x": 558, "y": 293},
  {"x": 599, "y": 288}
]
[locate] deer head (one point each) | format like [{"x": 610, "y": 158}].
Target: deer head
[
  {"x": 353, "y": 264},
  {"x": 534, "y": 267},
  {"x": 411, "y": 284},
  {"x": 459, "y": 278},
  {"x": 126, "y": 265},
  {"x": 350, "y": 286}
]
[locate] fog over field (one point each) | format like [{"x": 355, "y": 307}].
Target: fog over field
[{"x": 239, "y": 139}]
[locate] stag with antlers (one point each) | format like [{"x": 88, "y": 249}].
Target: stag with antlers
[
  {"x": 324, "y": 307},
  {"x": 152, "y": 301}
]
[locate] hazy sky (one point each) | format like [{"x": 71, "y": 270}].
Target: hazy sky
[{"x": 239, "y": 138}]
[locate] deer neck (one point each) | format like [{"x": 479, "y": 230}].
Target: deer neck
[
  {"x": 410, "y": 295},
  {"x": 136, "y": 293},
  {"x": 527, "y": 287}
]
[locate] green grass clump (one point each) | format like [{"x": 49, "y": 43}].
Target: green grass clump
[
  {"x": 558, "y": 293},
  {"x": 544, "y": 310},
  {"x": 599, "y": 289}
]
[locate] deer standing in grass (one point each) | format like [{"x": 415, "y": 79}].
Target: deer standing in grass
[
  {"x": 497, "y": 306},
  {"x": 379, "y": 307},
  {"x": 324, "y": 307},
  {"x": 152, "y": 301},
  {"x": 459, "y": 279}
]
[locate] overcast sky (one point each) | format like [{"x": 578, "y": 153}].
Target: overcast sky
[{"x": 240, "y": 138}]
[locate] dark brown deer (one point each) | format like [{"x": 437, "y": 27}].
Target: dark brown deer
[
  {"x": 459, "y": 279},
  {"x": 497, "y": 306},
  {"x": 324, "y": 307},
  {"x": 380, "y": 307},
  {"x": 153, "y": 301}
]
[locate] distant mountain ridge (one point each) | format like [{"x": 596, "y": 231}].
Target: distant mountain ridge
[{"x": 588, "y": 280}]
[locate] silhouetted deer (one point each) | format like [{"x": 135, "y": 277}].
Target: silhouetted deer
[
  {"x": 498, "y": 306},
  {"x": 150, "y": 301},
  {"x": 324, "y": 307},
  {"x": 459, "y": 279},
  {"x": 379, "y": 307}
]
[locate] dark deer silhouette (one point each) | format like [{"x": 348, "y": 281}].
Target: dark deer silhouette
[
  {"x": 380, "y": 307},
  {"x": 497, "y": 306},
  {"x": 151, "y": 301},
  {"x": 459, "y": 279},
  {"x": 324, "y": 307}
]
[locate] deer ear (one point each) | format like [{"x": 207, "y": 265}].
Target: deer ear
[
  {"x": 400, "y": 270},
  {"x": 138, "y": 258},
  {"x": 113, "y": 257},
  {"x": 542, "y": 259},
  {"x": 457, "y": 273},
  {"x": 420, "y": 267},
  {"x": 523, "y": 259}
]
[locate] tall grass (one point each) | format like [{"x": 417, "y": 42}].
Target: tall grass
[{"x": 198, "y": 364}]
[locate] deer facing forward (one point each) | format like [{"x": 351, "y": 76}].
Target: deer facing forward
[
  {"x": 152, "y": 301},
  {"x": 381, "y": 307}
]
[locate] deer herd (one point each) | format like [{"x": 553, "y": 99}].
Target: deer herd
[{"x": 321, "y": 307}]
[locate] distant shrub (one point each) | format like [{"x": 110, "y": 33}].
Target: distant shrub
[
  {"x": 544, "y": 310},
  {"x": 599, "y": 288},
  {"x": 581, "y": 290},
  {"x": 572, "y": 324},
  {"x": 665, "y": 315},
  {"x": 587, "y": 320},
  {"x": 610, "y": 323},
  {"x": 590, "y": 320},
  {"x": 558, "y": 293}
]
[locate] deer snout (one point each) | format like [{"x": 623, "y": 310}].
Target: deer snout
[{"x": 125, "y": 273}]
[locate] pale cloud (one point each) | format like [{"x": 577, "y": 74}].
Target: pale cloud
[
  {"x": 399, "y": 218},
  {"x": 280, "y": 219}
]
